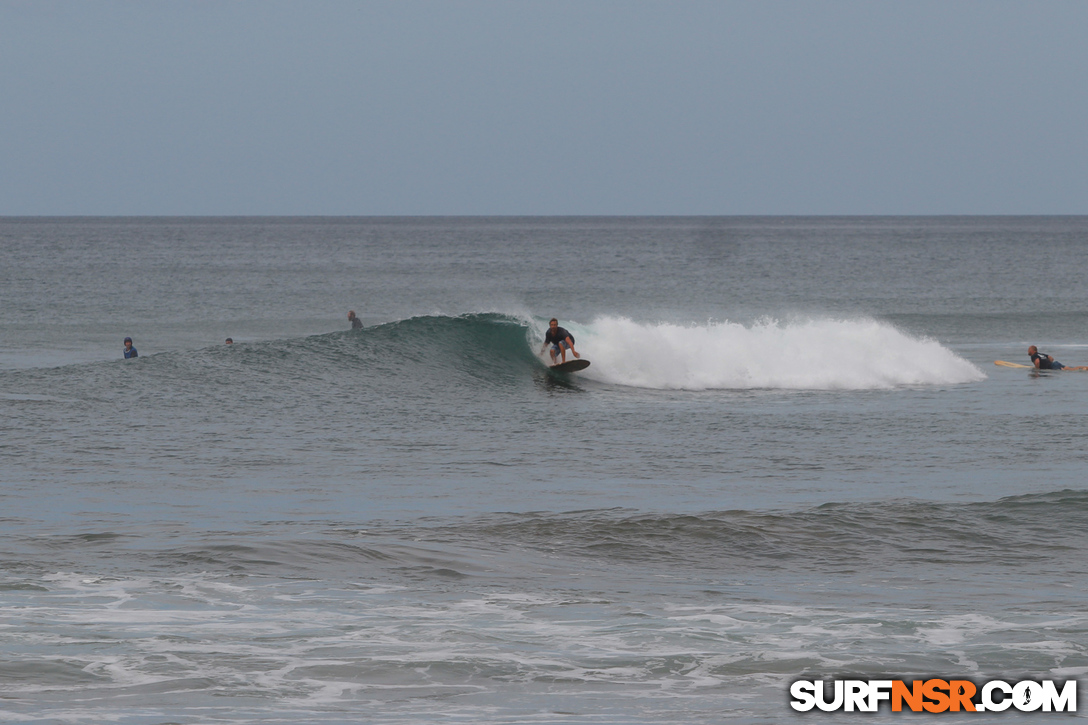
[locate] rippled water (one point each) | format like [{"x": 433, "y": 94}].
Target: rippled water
[{"x": 792, "y": 456}]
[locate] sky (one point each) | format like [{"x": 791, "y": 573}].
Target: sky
[{"x": 466, "y": 107}]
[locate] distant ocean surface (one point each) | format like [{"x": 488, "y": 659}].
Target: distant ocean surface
[{"x": 792, "y": 457}]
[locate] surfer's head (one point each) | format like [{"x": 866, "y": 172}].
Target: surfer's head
[
  {"x": 351, "y": 314},
  {"x": 1032, "y": 349},
  {"x": 128, "y": 340},
  {"x": 553, "y": 323}
]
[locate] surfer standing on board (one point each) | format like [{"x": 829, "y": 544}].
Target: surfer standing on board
[
  {"x": 1047, "y": 362},
  {"x": 560, "y": 340}
]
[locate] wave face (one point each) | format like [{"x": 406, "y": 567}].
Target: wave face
[
  {"x": 490, "y": 349},
  {"x": 814, "y": 354},
  {"x": 817, "y": 354},
  {"x": 486, "y": 346},
  {"x": 869, "y": 536}
]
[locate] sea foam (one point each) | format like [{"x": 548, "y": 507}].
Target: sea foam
[{"x": 812, "y": 354}]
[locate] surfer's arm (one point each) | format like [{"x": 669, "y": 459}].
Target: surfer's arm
[{"x": 571, "y": 343}]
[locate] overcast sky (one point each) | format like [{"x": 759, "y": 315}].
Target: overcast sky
[{"x": 551, "y": 107}]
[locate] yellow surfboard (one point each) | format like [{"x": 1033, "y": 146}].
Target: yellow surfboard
[{"x": 1005, "y": 364}]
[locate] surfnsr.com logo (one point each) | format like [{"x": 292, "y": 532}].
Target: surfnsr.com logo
[{"x": 935, "y": 696}]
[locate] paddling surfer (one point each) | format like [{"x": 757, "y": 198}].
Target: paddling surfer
[
  {"x": 1047, "y": 362},
  {"x": 560, "y": 340}
]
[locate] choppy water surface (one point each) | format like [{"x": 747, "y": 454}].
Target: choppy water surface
[{"x": 791, "y": 457}]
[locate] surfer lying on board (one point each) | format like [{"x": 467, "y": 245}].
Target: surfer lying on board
[
  {"x": 560, "y": 340},
  {"x": 1047, "y": 362}
]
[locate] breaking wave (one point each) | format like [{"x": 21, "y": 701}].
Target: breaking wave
[{"x": 817, "y": 354}]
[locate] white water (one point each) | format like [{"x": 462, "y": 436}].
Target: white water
[{"x": 814, "y": 354}]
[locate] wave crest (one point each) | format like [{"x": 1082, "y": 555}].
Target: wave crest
[{"x": 815, "y": 354}]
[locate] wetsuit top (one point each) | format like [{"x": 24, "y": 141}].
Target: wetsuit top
[
  {"x": 356, "y": 323},
  {"x": 558, "y": 336},
  {"x": 131, "y": 352},
  {"x": 1044, "y": 360}
]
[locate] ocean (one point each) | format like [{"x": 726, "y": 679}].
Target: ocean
[{"x": 792, "y": 457}]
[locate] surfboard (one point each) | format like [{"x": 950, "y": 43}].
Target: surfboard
[
  {"x": 1005, "y": 364},
  {"x": 571, "y": 366}
]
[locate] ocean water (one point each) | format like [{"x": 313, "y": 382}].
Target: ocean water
[{"x": 792, "y": 457}]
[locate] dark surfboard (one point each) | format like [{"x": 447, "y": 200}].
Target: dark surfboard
[{"x": 571, "y": 366}]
